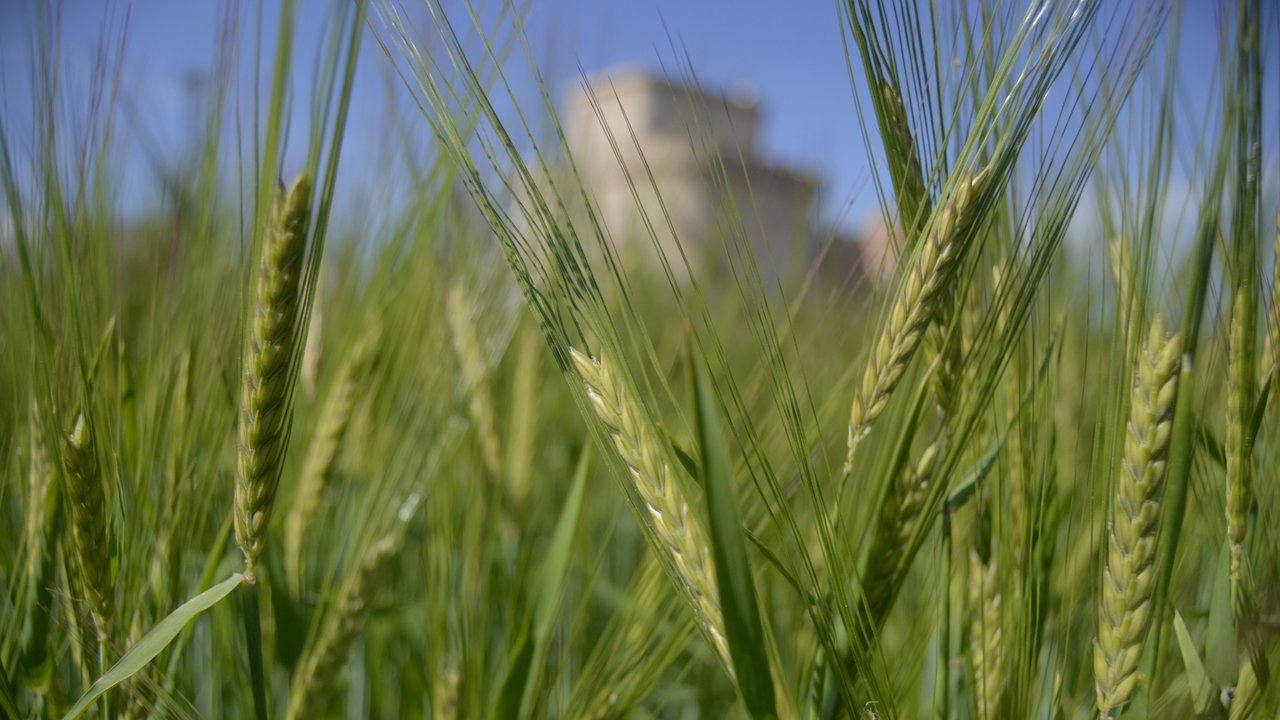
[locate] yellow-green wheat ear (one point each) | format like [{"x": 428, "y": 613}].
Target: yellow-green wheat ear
[
  {"x": 89, "y": 525},
  {"x": 1239, "y": 409},
  {"x": 321, "y": 668},
  {"x": 322, "y": 453},
  {"x": 916, "y": 306},
  {"x": 269, "y": 350},
  {"x": 674, "y": 527},
  {"x": 1124, "y": 608}
]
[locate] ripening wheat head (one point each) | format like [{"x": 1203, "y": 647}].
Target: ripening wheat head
[
  {"x": 667, "y": 511},
  {"x": 916, "y": 306},
  {"x": 1124, "y": 610},
  {"x": 89, "y": 525},
  {"x": 264, "y": 391}
]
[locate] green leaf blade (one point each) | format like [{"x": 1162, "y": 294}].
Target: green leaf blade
[
  {"x": 153, "y": 643},
  {"x": 743, "y": 628}
]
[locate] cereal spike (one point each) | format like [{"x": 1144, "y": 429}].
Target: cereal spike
[
  {"x": 265, "y": 396},
  {"x": 676, "y": 531},
  {"x": 1124, "y": 612},
  {"x": 916, "y": 307}
]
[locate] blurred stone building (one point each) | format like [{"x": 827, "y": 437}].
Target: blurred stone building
[{"x": 701, "y": 150}]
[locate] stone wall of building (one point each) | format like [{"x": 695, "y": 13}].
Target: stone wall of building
[{"x": 692, "y": 160}]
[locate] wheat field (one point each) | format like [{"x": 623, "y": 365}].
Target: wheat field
[{"x": 442, "y": 446}]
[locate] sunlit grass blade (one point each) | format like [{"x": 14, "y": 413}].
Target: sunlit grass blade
[{"x": 154, "y": 642}]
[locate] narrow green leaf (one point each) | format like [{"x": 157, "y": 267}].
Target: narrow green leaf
[
  {"x": 514, "y": 684},
  {"x": 1260, "y": 410},
  {"x": 743, "y": 628},
  {"x": 1221, "y": 656},
  {"x": 151, "y": 644},
  {"x": 966, "y": 487},
  {"x": 555, "y": 571},
  {"x": 778, "y": 565},
  {"x": 1197, "y": 680},
  {"x": 1212, "y": 446}
]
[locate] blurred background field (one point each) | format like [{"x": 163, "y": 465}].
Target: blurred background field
[{"x": 573, "y": 359}]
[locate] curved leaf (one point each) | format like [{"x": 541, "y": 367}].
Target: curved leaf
[{"x": 155, "y": 641}]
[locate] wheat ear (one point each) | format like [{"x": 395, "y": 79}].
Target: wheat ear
[
  {"x": 908, "y": 178},
  {"x": 265, "y": 392},
  {"x": 985, "y": 640},
  {"x": 89, "y": 525},
  {"x": 677, "y": 532},
  {"x": 916, "y": 306},
  {"x": 471, "y": 362},
  {"x": 1239, "y": 410},
  {"x": 914, "y": 204},
  {"x": 444, "y": 696},
  {"x": 898, "y": 515},
  {"x": 310, "y": 692},
  {"x": 1124, "y": 613},
  {"x": 322, "y": 453},
  {"x": 39, "y": 472}
]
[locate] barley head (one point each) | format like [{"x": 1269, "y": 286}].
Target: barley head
[
  {"x": 917, "y": 305},
  {"x": 265, "y": 392},
  {"x": 676, "y": 531},
  {"x": 39, "y": 473},
  {"x": 89, "y": 525},
  {"x": 985, "y": 639},
  {"x": 1273, "y": 324},
  {"x": 1124, "y": 613},
  {"x": 317, "y": 468},
  {"x": 1239, "y": 411},
  {"x": 894, "y": 526},
  {"x": 480, "y": 405},
  {"x": 310, "y": 692},
  {"x": 904, "y": 160}
]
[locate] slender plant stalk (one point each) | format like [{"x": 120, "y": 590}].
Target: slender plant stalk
[
  {"x": 1124, "y": 610},
  {"x": 265, "y": 391},
  {"x": 676, "y": 530}
]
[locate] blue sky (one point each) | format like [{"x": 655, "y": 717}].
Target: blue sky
[{"x": 789, "y": 53}]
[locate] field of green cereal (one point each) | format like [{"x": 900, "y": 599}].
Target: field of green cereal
[{"x": 456, "y": 456}]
